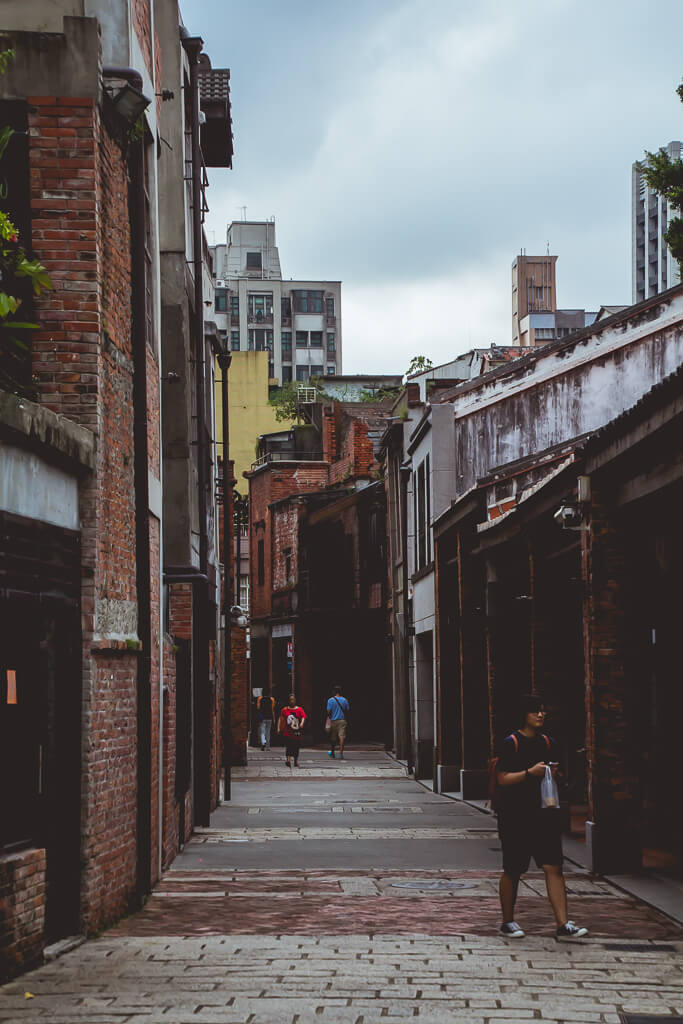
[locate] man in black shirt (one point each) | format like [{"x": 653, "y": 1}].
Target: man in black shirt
[{"x": 526, "y": 829}]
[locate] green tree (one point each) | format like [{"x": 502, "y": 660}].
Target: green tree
[
  {"x": 15, "y": 266},
  {"x": 418, "y": 364},
  {"x": 665, "y": 176}
]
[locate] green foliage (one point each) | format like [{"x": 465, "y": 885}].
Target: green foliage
[
  {"x": 418, "y": 364},
  {"x": 378, "y": 395},
  {"x": 15, "y": 267},
  {"x": 6, "y": 57},
  {"x": 665, "y": 176},
  {"x": 283, "y": 401}
]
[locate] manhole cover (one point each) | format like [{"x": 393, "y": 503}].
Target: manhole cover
[
  {"x": 441, "y": 883},
  {"x": 644, "y": 1018}
]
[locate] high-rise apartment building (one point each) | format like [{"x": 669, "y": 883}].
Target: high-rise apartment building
[
  {"x": 536, "y": 320},
  {"x": 653, "y": 268},
  {"x": 297, "y": 322}
]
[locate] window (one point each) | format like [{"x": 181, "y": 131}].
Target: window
[
  {"x": 286, "y": 374},
  {"x": 316, "y": 339},
  {"x": 331, "y": 348},
  {"x": 302, "y": 373},
  {"x": 261, "y": 563},
  {"x": 244, "y": 593},
  {"x": 285, "y": 307},
  {"x": 221, "y": 301},
  {"x": 286, "y": 345},
  {"x": 235, "y": 306},
  {"x": 306, "y": 301},
  {"x": 329, "y": 307},
  {"x": 235, "y": 341},
  {"x": 423, "y": 512},
  {"x": 254, "y": 261},
  {"x": 301, "y": 339},
  {"x": 331, "y": 370},
  {"x": 288, "y": 563},
  {"x": 259, "y": 305},
  {"x": 316, "y": 370},
  {"x": 260, "y": 340}
]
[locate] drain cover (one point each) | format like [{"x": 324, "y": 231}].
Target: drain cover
[
  {"x": 644, "y": 1018},
  {"x": 441, "y": 883}
]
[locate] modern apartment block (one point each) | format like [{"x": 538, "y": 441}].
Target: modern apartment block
[
  {"x": 653, "y": 268},
  {"x": 536, "y": 320},
  {"x": 297, "y": 322}
]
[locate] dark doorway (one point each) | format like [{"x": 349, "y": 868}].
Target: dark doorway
[{"x": 40, "y": 746}]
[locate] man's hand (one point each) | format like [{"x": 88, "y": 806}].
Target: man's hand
[{"x": 538, "y": 770}]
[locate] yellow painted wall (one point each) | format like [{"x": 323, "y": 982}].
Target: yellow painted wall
[{"x": 248, "y": 409}]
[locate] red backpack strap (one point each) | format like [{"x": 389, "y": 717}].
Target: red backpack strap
[
  {"x": 547, "y": 740},
  {"x": 513, "y": 737}
]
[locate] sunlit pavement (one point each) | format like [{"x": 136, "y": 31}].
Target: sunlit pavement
[{"x": 345, "y": 892}]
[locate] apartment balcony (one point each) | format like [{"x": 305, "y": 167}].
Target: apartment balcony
[
  {"x": 259, "y": 319},
  {"x": 286, "y": 321},
  {"x": 330, "y": 321}
]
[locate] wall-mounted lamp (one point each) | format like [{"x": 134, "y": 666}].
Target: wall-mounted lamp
[
  {"x": 130, "y": 103},
  {"x": 129, "y": 100}
]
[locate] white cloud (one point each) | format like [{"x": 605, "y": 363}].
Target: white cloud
[{"x": 418, "y": 145}]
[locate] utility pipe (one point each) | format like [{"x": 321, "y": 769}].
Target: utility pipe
[
  {"x": 224, "y": 361},
  {"x": 142, "y": 543},
  {"x": 200, "y": 635}
]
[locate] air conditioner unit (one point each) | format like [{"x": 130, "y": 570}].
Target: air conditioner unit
[{"x": 221, "y": 284}]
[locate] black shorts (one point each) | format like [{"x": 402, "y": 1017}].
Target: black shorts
[{"x": 524, "y": 837}]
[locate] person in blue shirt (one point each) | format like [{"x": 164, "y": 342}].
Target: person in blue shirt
[{"x": 337, "y": 710}]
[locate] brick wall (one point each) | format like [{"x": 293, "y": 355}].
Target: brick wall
[
  {"x": 238, "y": 687},
  {"x": 142, "y": 23},
  {"x": 22, "y": 911},
  {"x": 266, "y": 486},
  {"x": 285, "y": 533},
  {"x": 181, "y": 610},
  {"x": 64, "y": 155},
  {"x": 171, "y": 817}
]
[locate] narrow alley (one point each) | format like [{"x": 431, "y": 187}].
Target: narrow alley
[{"x": 346, "y": 892}]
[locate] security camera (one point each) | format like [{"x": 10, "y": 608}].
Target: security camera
[{"x": 568, "y": 517}]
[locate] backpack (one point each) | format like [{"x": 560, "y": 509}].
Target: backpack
[{"x": 494, "y": 788}]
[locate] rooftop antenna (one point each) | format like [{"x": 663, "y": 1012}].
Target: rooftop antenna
[{"x": 244, "y": 211}]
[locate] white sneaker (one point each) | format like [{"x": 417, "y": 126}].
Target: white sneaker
[
  {"x": 511, "y": 930},
  {"x": 571, "y": 931}
]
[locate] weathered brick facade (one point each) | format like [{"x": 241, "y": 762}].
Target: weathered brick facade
[
  {"x": 99, "y": 338},
  {"x": 22, "y": 911}
]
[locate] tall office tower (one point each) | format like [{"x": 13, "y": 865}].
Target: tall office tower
[
  {"x": 653, "y": 267},
  {"x": 297, "y": 322}
]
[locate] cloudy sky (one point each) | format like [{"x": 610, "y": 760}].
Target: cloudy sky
[{"x": 409, "y": 148}]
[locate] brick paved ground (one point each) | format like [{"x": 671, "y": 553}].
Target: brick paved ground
[{"x": 273, "y": 939}]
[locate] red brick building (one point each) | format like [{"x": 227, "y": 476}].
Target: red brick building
[
  {"x": 317, "y": 564},
  {"x": 101, "y": 670}
]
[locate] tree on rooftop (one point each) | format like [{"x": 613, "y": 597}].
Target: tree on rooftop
[{"x": 418, "y": 364}]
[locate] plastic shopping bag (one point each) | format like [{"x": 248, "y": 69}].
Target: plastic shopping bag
[{"x": 550, "y": 796}]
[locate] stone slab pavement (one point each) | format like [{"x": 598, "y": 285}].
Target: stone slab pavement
[{"x": 353, "y": 896}]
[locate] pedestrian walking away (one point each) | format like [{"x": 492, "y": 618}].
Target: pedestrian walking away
[
  {"x": 265, "y": 710},
  {"x": 529, "y": 819},
  {"x": 290, "y": 724},
  {"x": 337, "y": 715}
]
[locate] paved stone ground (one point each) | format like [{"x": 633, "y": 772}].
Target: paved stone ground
[{"x": 290, "y": 917}]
